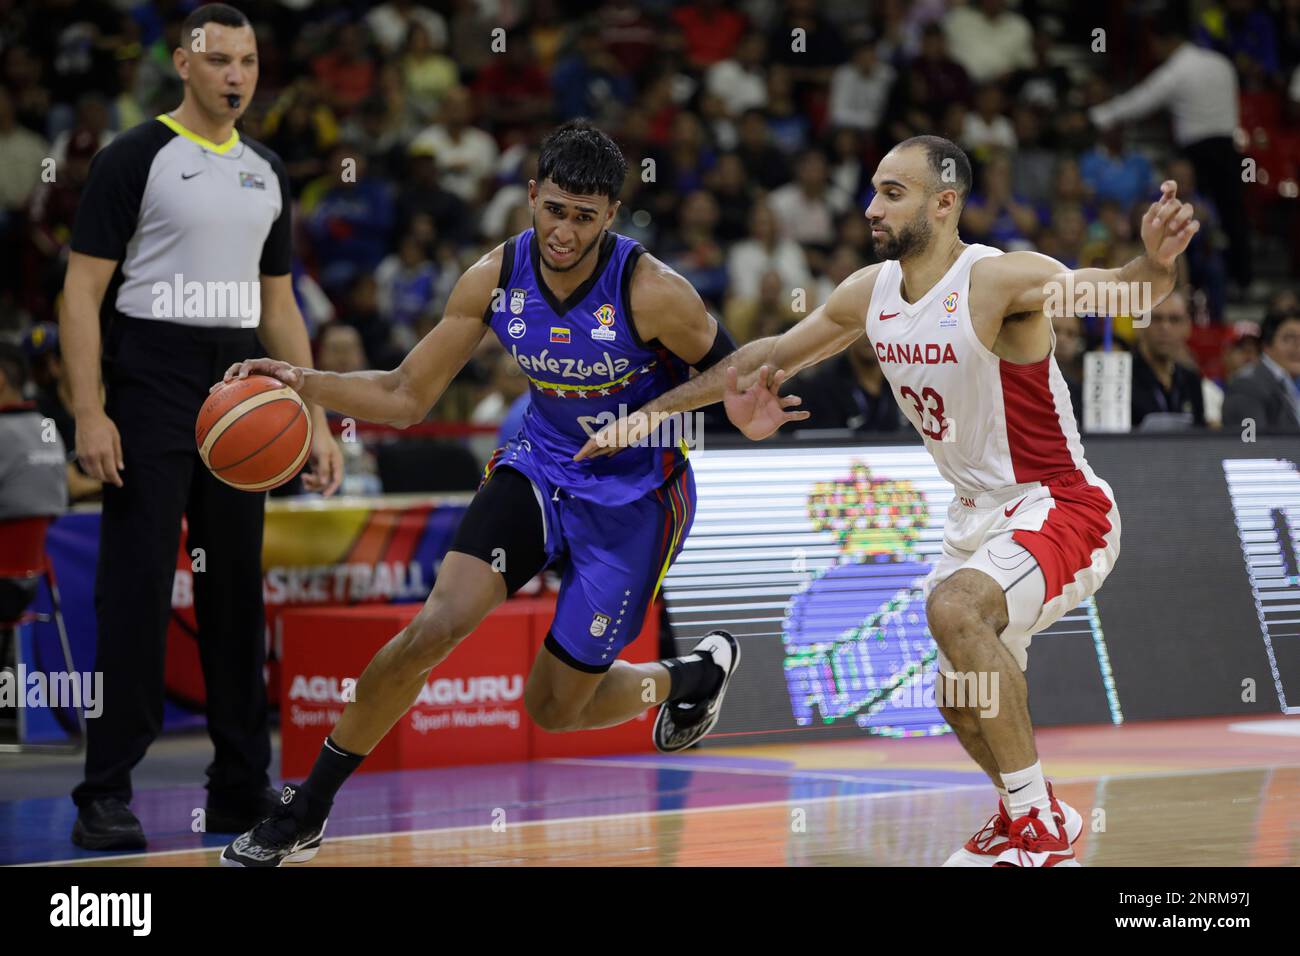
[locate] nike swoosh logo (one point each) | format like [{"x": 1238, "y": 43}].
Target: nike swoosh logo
[
  {"x": 191, "y": 175},
  {"x": 1010, "y": 511},
  {"x": 883, "y": 316}
]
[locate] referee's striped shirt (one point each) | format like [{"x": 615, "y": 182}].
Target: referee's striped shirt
[{"x": 165, "y": 202}]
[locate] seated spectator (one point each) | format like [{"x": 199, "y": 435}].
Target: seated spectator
[
  {"x": 92, "y": 119},
  {"x": 934, "y": 78},
  {"x": 860, "y": 90},
  {"x": 54, "y": 402},
  {"x": 695, "y": 252},
  {"x": 986, "y": 129},
  {"x": 513, "y": 89},
  {"x": 392, "y": 24},
  {"x": 989, "y": 40},
  {"x": 50, "y": 214},
  {"x": 768, "y": 314},
  {"x": 422, "y": 194},
  {"x": 1270, "y": 393},
  {"x": 1164, "y": 390},
  {"x": 428, "y": 74},
  {"x": 689, "y": 156},
  {"x": 1206, "y": 265},
  {"x": 627, "y": 31},
  {"x": 787, "y": 120},
  {"x": 806, "y": 209},
  {"x": 379, "y": 124},
  {"x": 766, "y": 164},
  {"x": 21, "y": 152},
  {"x": 1242, "y": 351},
  {"x": 740, "y": 82},
  {"x": 1113, "y": 172},
  {"x": 765, "y": 251},
  {"x": 301, "y": 129},
  {"x": 464, "y": 154},
  {"x": 511, "y": 192},
  {"x": 33, "y": 462},
  {"x": 823, "y": 47},
  {"x": 588, "y": 82},
  {"x": 849, "y": 174},
  {"x": 734, "y": 194},
  {"x": 712, "y": 32},
  {"x": 339, "y": 349},
  {"x": 850, "y": 391},
  {"x": 997, "y": 215},
  {"x": 406, "y": 289},
  {"x": 842, "y": 263},
  {"x": 1063, "y": 238},
  {"x": 1244, "y": 33},
  {"x": 347, "y": 71},
  {"x": 1033, "y": 165},
  {"x": 348, "y": 222},
  {"x": 1042, "y": 85}
]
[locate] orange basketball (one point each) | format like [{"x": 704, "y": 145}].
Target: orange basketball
[{"x": 254, "y": 433}]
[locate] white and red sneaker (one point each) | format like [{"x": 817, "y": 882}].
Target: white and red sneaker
[
  {"x": 991, "y": 839},
  {"x": 1032, "y": 841}
]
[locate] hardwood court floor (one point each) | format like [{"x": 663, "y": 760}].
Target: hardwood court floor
[{"x": 1177, "y": 793}]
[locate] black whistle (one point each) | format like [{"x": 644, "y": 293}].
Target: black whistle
[{"x": 233, "y": 100}]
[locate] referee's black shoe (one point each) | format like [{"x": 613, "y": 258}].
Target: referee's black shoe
[
  {"x": 284, "y": 837},
  {"x": 107, "y": 824},
  {"x": 681, "y": 724},
  {"x": 228, "y": 814}
]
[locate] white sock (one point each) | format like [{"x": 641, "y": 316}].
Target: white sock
[
  {"x": 1005, "y": 797},
  {"x": 1026, "y": 789}
]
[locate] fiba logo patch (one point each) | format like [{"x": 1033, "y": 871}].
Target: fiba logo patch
[
  {"x": 605, "y": 316},
  {"x": 517, "y": 328},
  {"x": 598, "y": 625},
  {"x": 517, "y": 299},
  {"x": 950, "y": 302},
  {"x": 251, "y": 181}
]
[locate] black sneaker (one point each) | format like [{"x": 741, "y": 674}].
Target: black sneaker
[
  {"x": 283, "y": 837},
  {"x": 684, "y": 723},
  {"x": 107, "y": 824},
  {"x": 235, "y": 815}
]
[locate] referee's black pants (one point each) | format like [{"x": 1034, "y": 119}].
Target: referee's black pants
[
  {"x": 1218, "y": 175},
  {"x": 157, "y": 375}
]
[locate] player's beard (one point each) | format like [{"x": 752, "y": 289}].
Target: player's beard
[
  {"x": 572, "y": 265},
  {"x": 913, "y": 238}
]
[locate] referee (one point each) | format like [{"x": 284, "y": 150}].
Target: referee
[{"x": 180, "y": 257}]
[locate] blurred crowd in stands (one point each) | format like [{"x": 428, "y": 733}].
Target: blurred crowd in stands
[{"x": 751, "y": 130}]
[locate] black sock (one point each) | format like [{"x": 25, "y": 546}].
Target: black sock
[
  {"x": 692, "y": 678},
  {"x": 331, "y": 770}
]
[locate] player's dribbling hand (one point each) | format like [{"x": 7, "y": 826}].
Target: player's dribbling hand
[
  {"x": 1168, "y": 226},
  {"x": 760, "y": 410},
  {"x": 291, "y": 375}
]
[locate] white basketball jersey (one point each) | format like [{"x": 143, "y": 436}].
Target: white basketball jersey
[{"x": 988, "y": 423}]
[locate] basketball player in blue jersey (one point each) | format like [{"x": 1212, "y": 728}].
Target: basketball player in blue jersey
[{"x": 597, "y": 325}]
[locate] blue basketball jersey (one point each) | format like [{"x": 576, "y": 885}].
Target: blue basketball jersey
[{"x": 586, "y": 366}]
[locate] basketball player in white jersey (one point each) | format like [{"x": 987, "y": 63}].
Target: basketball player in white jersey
[{"x": 964, "y": 336}]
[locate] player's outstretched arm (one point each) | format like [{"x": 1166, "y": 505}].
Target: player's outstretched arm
[
  {"x": 1033, "y": 282},
  {"x": 403, "y": 396},
  {"x": 749, "y": 378}
]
